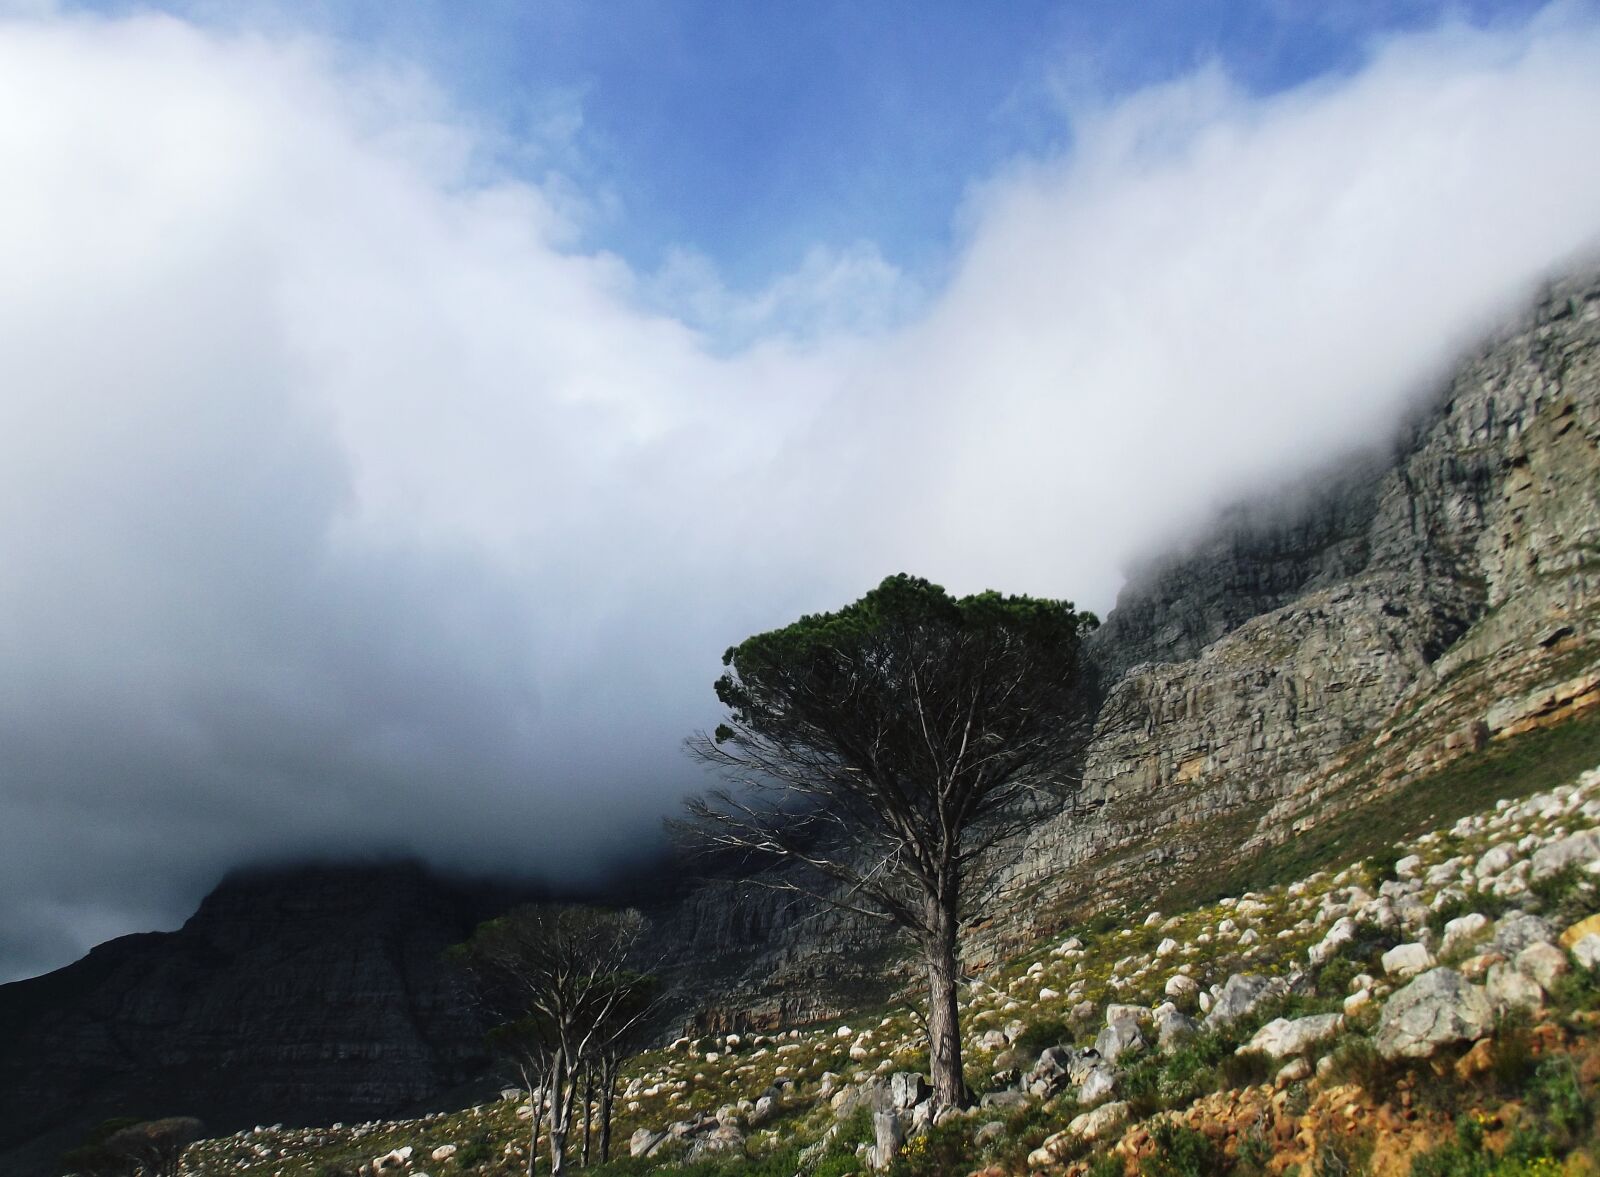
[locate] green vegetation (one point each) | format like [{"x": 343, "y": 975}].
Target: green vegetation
[{"x": 1528, "y": 763}]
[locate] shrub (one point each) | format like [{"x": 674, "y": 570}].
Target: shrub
[
  {"x": 1564, "y": 896},
  {"x": 475, "y": 1151},
  {"x": 1182, "y": 1152},
  {"x": 1555, "y": 1095},
  {"x": 1356, "y": 1060},
  {"x": 1342, "y": 1156},
  {"x": 1105, "y": 1164},
  {"x": 944, "y": 1148},
  {"x": 1255, "y": 1150},
  {"x": 1041, "y": 1035},
  {"x": 1245, "y": 1070}
]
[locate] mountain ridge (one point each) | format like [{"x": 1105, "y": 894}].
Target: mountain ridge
[{"x": 1269, "y": 676}]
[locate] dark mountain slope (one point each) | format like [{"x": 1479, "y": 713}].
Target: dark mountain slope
[{"x": 301, "y": 996}]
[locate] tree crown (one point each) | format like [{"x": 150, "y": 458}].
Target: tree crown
[{"x": 899, "y": 723}]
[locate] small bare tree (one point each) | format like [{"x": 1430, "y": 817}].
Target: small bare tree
[
  {"x": 888, "y": 747},
  {"x": 562, "y": 976},
  {"x": 156, "y": 1147}
]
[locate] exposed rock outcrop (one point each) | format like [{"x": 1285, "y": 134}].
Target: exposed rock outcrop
[
  {"x": 1303, "y": 656},
  {"x": 305, "y": 996}
]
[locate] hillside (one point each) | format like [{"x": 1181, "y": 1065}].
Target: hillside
[
  {"x": 1436, "y": 999},
  {"x": 1405, "y": 642},
  {"x": 1310, "y": 653},
  {"x": 308, "y": 994}
]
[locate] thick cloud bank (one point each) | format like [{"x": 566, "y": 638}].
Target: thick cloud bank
[{"x": 348, "y": 505}]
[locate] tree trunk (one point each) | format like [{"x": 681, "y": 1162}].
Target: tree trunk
[
  {"x": 944, "y": 1029},
  {"x": 608, "y": 1081},
  {"x": 536, "y": 1103},
  {"x": 560, "y": 1110},
  {"x": 588, "y": 1108}
]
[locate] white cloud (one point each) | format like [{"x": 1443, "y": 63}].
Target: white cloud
[{"x": 349, "y": 505}]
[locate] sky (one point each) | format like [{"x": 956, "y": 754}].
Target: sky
[{"x": 402, "y": 405}]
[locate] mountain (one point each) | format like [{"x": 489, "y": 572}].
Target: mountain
[
  {"x": 301, "y": 995},
  {"x": 1306, "y": 656},
  {"x": 1285, "y": 676}
]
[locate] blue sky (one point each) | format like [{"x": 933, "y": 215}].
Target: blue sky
[{"x": 751, "y": 131}]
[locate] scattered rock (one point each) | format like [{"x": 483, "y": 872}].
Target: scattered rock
[
  {"x": 644, "y": 1142},
  {"x": 1462, "y": 930},
  {"x": 1587, "y": 951},
  {"x": 1100, "y": 1082},
  {"x": 1342, "y": 933},
  {"x": 1240, "y": 995},
  {"x": 1545, "y": 963},
  {"x": 1438, "y": 1008},
  {"x": 1282, "y": 1037},
  {"x": 1292, "y": 1072},
  {"x": 1575, "y": 850},
  {"x": 1407, "y": 960},
  {"x": 1518, "y": 930},
  {"x": 1590, "y": 925},
  {"x": 1119, "y": 1038},
  {"x": 1510, "y": 988}
]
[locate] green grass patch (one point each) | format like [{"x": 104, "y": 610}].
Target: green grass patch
[{"x": 1529, "y": 763}]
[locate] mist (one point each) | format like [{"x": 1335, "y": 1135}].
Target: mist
[{"x": 351, "y": 505}]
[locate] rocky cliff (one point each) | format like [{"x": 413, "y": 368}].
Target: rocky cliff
[
  {"x": 301, "y": 996},
  {"x": 1301, "y": 657}
]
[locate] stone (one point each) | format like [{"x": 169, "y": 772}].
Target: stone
[
  {"x": 907, "y": 1089},
  {"x": 1281, "y": 1037},
  {"x": 1438, "y": 1008},
  {"x": 643, "y": 1142},
  {"x": 1587, "y": 951},
  {"x": 1167, "y": 947},
  {"x": 1574, "y": 850},
  {"x": 1173, "y": 1029},
  {"x": 1048, "y": 994},
  {"x": 1545, "y": 963},
  {"x": 1100, "y": 1122},
  {"x": 1510, "y": 988},
  {"x": 766, "y": 1107},
  {"x": 1292, "y": 1072},
  {"x": 1516, "y": 931},
  {"x": 721, "y": 1139},
  {"x": 988, "y": 1133},
  {"x": 1240, "y": 995},
  {"x": 889, "y": 1131},
  {"x": 1100, "y": 1082},
  {"x": 1342, "y": 933},
  {"x": 1462, "y": 931},
  {"x": 1181, "y": 988},
  {"x": 1496, "y": 860},
  {"x": 1119, "y": 1038},
  {"x": 993, "y": 1040},
  {"x": 1357, "y": 1001},
  {"x": 443, "y": 1153},
  {"x": 1409, "y": 866},
  {"x": 1589, "y": 925},
  {"x": 1407, "y": 960}
]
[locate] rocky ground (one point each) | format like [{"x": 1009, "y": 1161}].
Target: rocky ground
[{"x": 1432, "y": 1010}]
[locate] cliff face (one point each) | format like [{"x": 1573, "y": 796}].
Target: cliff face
[
  {"x": 1292, "y": 662},
  {"x": 303, "y": 996},
  {"x": 1414, "y": 613}
]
